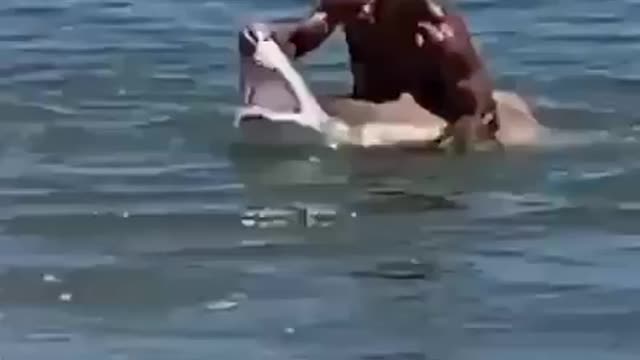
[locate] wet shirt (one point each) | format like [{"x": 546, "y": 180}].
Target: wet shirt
[{"x": 384, "y": 65}]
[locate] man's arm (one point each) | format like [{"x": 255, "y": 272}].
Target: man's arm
[
  {"x": 468, "y": 85},
  {"x": 311, "y": 33},
  {"x": 464, "y": 72}
]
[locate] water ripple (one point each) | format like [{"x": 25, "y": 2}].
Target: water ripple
[{"x": 128, "y": 228}]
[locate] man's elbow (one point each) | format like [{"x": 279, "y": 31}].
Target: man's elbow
[{"x": 311, "y": 34}]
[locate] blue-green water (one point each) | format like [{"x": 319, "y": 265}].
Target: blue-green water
[{"x": 131, "y": 228}]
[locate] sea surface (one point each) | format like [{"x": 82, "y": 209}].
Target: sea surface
[{"x": 135, "y": 225}]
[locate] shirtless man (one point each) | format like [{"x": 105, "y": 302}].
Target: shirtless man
[{"x": 410, "y": 46}]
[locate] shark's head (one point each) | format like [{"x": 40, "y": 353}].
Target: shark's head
[{"x": 263, "y": 82}]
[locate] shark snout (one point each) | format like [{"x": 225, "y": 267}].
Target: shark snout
[
  {"x": 250, "y": 36},
  {"x": 247, "y": 42}
]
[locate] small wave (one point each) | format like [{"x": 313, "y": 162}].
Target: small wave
[
  {"x": 34, "y": 10},
  {"x": 560, "y": 138}
]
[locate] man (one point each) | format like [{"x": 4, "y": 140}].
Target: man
[{"x": 410, "y": 46}]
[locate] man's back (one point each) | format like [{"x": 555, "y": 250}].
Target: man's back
[{"x": 384, "y": 62}]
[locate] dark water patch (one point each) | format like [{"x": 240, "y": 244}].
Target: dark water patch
[
  {"x": 116, "y": 4},
  {"x": 500, "y": 253},
  {"x": 626, "y": 82},
  {"x": 19, "y": 38},
  {"x": 622, "y": 322},
  {"x": 411, "y": 270},
  {"x": 561, "y": 260},
  {"x": 398, "y": 201},
  {"x": 563, "y": 217},
  {"x": 634, "y": 248},
  {"x": 34, "y": 10}
]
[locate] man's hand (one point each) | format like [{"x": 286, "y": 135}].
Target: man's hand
[{"x": 429, "y": 32}]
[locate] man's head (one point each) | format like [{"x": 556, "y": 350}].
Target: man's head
[
  {"x": 384, "y": 11},
  {"x": 408, "y": 11},
  {"x": 344, "y": 10}
]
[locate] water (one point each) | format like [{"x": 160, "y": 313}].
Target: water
[{"x": 133, "y": 227}]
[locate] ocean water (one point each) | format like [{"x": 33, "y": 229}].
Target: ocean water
[{"x": 134, "y": 226}]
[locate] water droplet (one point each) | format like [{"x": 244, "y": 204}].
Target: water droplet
[
  {"x": 354, "y": 214},
  {"x": 66, "y": 297},
  {"x": 221, "y": 305},
  {"x": 125, "y": 214},
  {"x": 290, "y": 331},
  {"x": 122, "y": 91}
]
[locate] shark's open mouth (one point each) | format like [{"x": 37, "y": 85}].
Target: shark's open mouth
[
  {"x": 262, "y": 85},
  {"x": 274, "y": 90}
]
